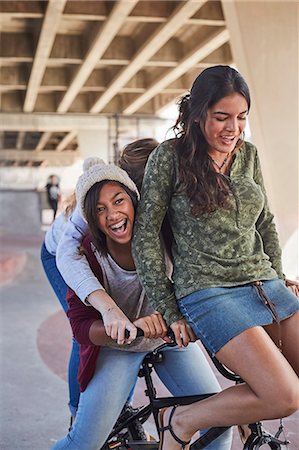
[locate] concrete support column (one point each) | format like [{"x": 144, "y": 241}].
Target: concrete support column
[
  {"x": 94, "y": 143},
  {"x": 264, "y": 41}
]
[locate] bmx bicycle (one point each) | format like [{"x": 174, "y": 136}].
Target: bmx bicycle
[{"x": 128, "y": 433}]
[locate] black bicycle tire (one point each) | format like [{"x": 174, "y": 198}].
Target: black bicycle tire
[
  {"x": 277, "y": 446},
  {"x": 270, "y": 445},
  {"x": 256, "y": 445}
]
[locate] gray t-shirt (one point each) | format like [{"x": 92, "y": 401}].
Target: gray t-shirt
[{"x": 125, "y": 289}]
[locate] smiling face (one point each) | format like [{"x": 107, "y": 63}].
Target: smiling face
[
  {"x": 115, "y": 214},
  {"x": 225, "y": 122}
]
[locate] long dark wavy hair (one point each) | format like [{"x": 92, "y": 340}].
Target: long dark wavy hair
[
  {"x": 91, "y": 213},
  {"x": 206, "y": 189}
]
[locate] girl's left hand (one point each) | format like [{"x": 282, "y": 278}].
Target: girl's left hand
[
  {"x": 183, "y": 333},
  {"x": 153, "y": 326},
  {"x": 293, "y": 286}
]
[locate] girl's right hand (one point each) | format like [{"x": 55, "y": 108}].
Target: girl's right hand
[
  {"x": 153, "y": 326},
  {"x": 116, "y": 323}
]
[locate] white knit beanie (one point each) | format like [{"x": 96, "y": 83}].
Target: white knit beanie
[{"x": 96, "y": 170}]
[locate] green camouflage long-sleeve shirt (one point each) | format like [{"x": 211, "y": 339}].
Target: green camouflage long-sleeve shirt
[{"x": 231, "y": 246}]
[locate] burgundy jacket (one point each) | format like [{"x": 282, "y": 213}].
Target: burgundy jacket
[{"x": 81, "y": 318}]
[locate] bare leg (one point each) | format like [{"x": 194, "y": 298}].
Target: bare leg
[
  {"x": 271, "y": 389},
  {"x": 290, "y": 339}
]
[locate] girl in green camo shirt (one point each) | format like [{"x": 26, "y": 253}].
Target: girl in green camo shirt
[{"x": 227, "y": 281}]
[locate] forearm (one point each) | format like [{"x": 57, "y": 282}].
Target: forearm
[
  {"x": 150, "y": 264},
  {"x": 101, "y": 301},
  {"x": 98, "y": 335},
  {"x": 72, "y": 265}
]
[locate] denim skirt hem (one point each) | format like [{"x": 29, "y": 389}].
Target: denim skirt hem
[{"x": 217, "y": 315}]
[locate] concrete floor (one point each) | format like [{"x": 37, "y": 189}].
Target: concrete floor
[{"x": 35, "y": 342}]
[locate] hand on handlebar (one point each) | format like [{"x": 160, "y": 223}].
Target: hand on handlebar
[
  {"x": 293, "y": 286},
  {"x": 153, "y": 326},
  {"x": 183, "y": 333},
  {"x": 116, "y": 323}
]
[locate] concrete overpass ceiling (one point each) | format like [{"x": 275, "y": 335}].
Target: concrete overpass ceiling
[{"x": 80, "y": 60}]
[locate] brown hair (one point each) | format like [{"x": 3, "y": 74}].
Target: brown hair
[
  {"x": 206, "y": 189},
  {"x": 69, "y": 204},
  {"x": 133, "y": 160},
  {"x": 134, "y": 157}
]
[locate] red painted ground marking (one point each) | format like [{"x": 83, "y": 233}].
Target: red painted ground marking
[
  {"x": 54, "y": 340},
  {"x": 11, "y": 266}
]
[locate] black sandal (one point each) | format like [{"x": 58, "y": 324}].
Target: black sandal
[{"x": 169, "y": 428}]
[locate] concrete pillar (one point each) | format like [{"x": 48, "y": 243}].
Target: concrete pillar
[
  {"x": 264, "y": 41},
  {"x": 94, "y": 143}
]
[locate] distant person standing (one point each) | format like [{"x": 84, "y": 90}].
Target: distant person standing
[{"x": 53, "y": 193}]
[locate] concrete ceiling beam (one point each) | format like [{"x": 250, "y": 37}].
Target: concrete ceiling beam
[
  {"x": 46, "y": 39},
  {"x": 51, "y": 122},
  {"x": 164, "y": 32},
  {"x": 66, "y": 141},
  {"x": 214, "y": 41},
  {"x": 65, "y": 158},
  {"x": 43, "y": 141},
  {"x": 20, "y": 140},
  {"x": 101, "y": 42}
]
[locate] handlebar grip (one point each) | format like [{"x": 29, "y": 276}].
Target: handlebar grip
[{"x": 140, "y": 333}]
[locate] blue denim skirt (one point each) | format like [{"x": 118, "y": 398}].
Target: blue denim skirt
[{"x": 218, "y": 314}]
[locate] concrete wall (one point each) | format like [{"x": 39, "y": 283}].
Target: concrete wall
[{"x": 20, "y": 212}]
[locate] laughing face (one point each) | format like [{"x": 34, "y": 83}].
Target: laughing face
[
  {"x": 226, "y": 120},
  {"x": 115, "y": 213}
]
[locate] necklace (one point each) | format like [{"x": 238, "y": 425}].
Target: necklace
[{"x": 223, "y": 162}]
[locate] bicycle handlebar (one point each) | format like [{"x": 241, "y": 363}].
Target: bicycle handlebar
[
  {"x": 221, "y": 368},
  {"x": 140, "y": 333}
]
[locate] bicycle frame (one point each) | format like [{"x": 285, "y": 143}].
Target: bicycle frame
[
  {"x": 157, "y": 403},
  {"x": 257, "y": 437}
]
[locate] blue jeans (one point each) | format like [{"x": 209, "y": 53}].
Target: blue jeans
[
  {"x": 60, "y": 288},
  {"x": 183, "y": 372}
]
